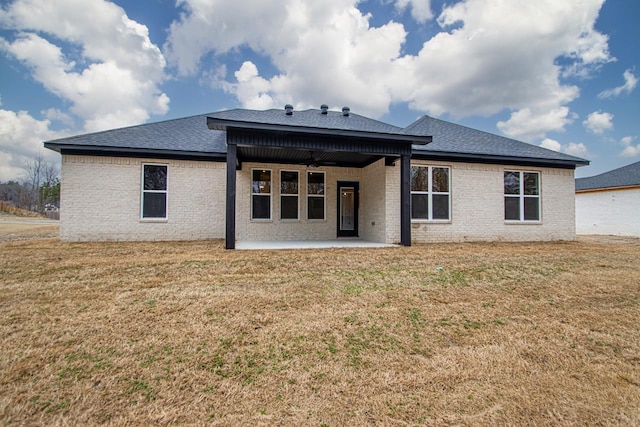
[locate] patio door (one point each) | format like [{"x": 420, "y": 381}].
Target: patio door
[{"x": 348, "y": 208}]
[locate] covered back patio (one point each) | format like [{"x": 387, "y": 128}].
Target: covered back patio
[{"x": 338, "y": 145}]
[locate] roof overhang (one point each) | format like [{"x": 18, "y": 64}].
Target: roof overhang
[
  {"x": 313, "y": 146},
  {"x": 601, "y": 189},
  {"x": 227, "y": 124},
  {"x": 497, "y": 159},
  {"x": 94, "y": 150}
]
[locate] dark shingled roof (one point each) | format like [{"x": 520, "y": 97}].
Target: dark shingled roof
[
  {"x": 312, "y": 118},
  {"x": 188, "y": 136},
  {"x": 626, "y": 176},
  {"x": 191, "y": 137},
  {"x": 455, "y": 141}
]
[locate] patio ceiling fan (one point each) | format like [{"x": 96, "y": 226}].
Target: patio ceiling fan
[{"x": 314, "y": 161}]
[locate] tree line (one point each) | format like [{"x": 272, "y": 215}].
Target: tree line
[{"x": 39, "y": 188}]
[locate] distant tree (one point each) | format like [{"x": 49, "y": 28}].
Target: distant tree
[
  {"x": 9, "y": 191},
  {"x": 50, "y": 194},
  {"x": 15, "y": 194},
  {"x": 41, "y": 184}
]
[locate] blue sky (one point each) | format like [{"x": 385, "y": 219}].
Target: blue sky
[{"x": 561, "y": 74}]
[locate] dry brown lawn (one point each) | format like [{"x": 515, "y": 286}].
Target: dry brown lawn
[
  {"x": 188, "y": 333},
  {"x": 18, "y": 228}
]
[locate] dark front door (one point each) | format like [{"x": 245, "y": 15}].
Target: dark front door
[{"x": 348, "y": 208}]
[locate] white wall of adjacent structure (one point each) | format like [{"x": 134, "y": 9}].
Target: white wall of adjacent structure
[{"x": 610, "y": 212}]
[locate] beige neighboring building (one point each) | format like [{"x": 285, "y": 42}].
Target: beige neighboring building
[
  {"x": 609, "y": 203},
  {"x": 246, "y": 175}
]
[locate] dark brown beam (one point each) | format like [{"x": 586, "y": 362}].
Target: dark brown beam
[
  {"x": 230, "y": 223},
  {"x": 405, "y": 200}
]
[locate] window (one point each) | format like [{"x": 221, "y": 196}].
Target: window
[
  {"x": 430, "y": 194},
  {"x": 154, "y": 191},
  {"x": 288, "y": 195},
  {"x": 521, "y": 196},
  {"x": 315, "y": 195},
  {"x": 260, "y": 194}
]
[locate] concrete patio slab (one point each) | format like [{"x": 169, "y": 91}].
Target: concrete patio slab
[{"x": 309, "y": 244}]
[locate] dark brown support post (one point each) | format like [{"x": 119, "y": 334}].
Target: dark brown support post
[
  {"x": 232, "y": 161},
  {"x": 405, "y": 200}
]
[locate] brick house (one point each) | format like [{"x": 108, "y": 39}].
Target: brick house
[
  {"x": 246, "y": 175},
  {"x": 609, "y": 203}
]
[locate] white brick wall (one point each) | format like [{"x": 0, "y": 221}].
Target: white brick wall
[
  {"x": 302, "y": 229},
  {"x": 614, "y": 212},
  {"x": 373, "y": 202},
  {"x": 392, "y": 203},
  {"x": 101, "y": 199},
  {"x": 477, "y": 208}
]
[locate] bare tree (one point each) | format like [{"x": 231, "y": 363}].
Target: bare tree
[
  {"x": 51, "y": 173},
  {"x": 39, "y": 173}
]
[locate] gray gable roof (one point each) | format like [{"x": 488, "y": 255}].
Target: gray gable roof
[
  {"x": 455, "y": 141},
  {"x": 626, "y": 176},
  {"x": 187, "y": 136},
  {"x": 191, "y": 137},
  {"x": 311, "y": 118}
]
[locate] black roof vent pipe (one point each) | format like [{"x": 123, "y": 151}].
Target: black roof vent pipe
[
  {"x": 324, "y": 108},
  {"x": 288, "y": 109},
  {"x": 346, "y": 111}
]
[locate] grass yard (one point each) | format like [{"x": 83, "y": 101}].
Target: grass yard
[
  {"x": 449, "y": 334},
  {"x": 25, "y": 229}
]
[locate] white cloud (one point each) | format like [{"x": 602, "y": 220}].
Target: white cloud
[
  {"x": 630, "y": 83},
  {"x": 481, "y": 67},
  {"x": 218, "y": 26},
  {"x": 573, "y": 148},
  {"x": 576, "y": 149},
  {"x": 591, "y": 51},
  {"x": 54, "y": 114},
  {"x": 323, "y": 51},
  {"x": 112, "y": 81},
  {"x": 328, "y": 52},
  {"x": 598, "y": 122},
  {"x": 630, "y": 150},
  {"x": 420, "y": 9},
  {"x": 627, "y": 140},
  {"x": 528, "y": 125},
  {"x": 21, "y": 138},
  {"x": 251, "y": 90},
  {"x": 551, "y": 144}
]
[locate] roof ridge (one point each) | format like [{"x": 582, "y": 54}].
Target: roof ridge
[
  {"x": 311, "y": 109},
  {"x": 310, "y": 118}
]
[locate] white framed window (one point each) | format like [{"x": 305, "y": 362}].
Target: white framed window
[
  {"x": 521, "y": 196},
  {"x": 260, "y": 194},
  {"x": 154, "y": 198},
  {"x": 430, "y": 193},
  {"x": 315, "y": 195},
  {"x": 289, "y": 190}
]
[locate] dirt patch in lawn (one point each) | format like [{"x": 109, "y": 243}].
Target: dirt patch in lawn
[{"x": 188, "y": 333}]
